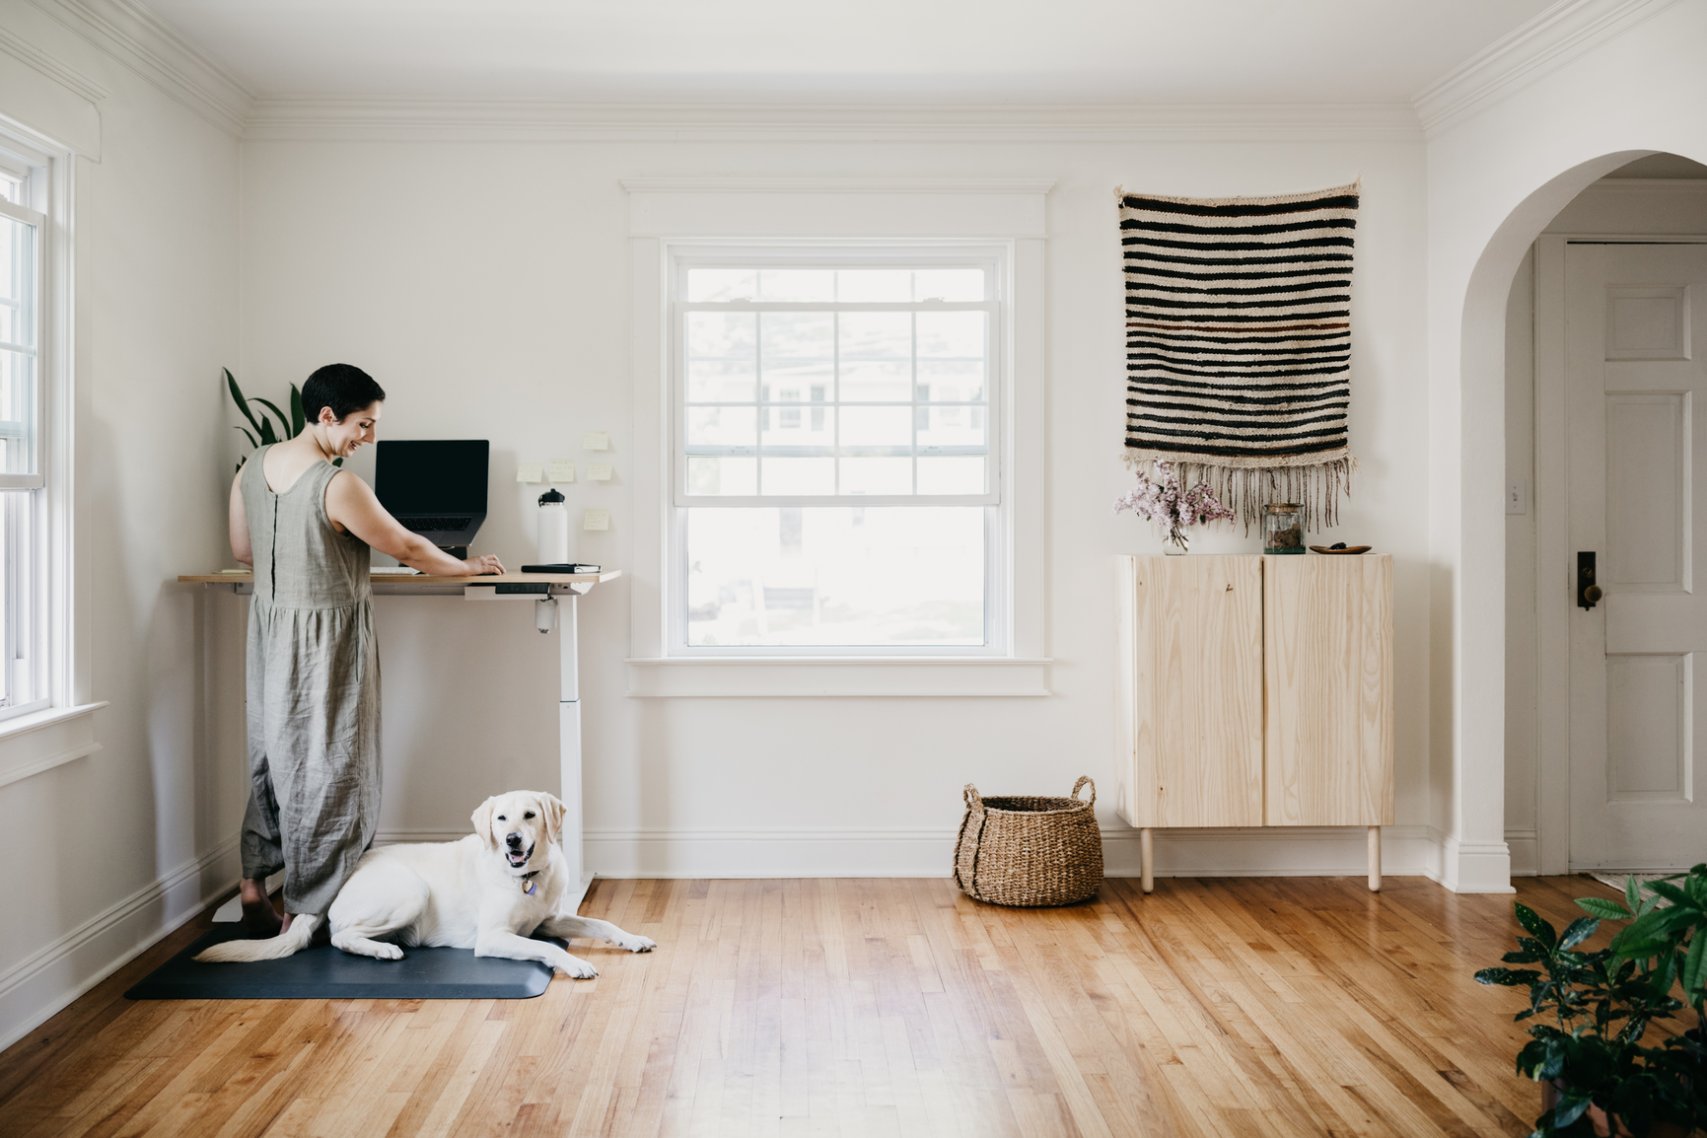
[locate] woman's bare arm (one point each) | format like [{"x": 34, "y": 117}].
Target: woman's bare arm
[
  {"x": 238, "y": 522},
  {"x": 352, "y": 505}
]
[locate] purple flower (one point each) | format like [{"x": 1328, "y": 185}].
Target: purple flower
[{"x": 1158, "y": 498}]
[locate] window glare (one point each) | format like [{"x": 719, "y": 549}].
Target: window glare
[{"x": 835, "y": 576}]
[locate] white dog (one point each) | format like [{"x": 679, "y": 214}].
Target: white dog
[{"x": 487, "y": 892}]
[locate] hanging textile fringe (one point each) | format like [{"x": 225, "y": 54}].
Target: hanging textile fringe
[
  {"x": 1238, "y": 344},
  {"x": 1245, "y": 490}
]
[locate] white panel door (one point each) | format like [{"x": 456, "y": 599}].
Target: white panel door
[{"x": 1636, "y": 375}]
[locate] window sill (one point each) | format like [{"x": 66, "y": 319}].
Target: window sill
[
  {"x": 42, "y": 740},
  {"x": 820, "y": 677}
]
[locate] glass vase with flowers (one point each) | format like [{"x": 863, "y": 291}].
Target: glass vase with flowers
[{"x": 1160, "y": 498}]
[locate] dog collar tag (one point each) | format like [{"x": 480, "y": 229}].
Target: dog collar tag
[{"x": 529, "y": 886}]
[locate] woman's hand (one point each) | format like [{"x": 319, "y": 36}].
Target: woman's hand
[{"x": 484, "y": 564}]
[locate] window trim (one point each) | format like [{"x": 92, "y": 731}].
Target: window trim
[
  {"x": 825, "y": 212},
  {"x": 59, "y": 679}
]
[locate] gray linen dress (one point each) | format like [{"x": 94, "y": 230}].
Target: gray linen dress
[{"x": 313, "y": 692}]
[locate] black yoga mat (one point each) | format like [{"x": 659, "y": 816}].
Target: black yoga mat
[{"x": 324, "y": 973}]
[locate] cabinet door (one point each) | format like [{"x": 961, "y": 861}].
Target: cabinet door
[
  {"x": 1193, "y": 691},
  {"x": 1328, "y": 668}
]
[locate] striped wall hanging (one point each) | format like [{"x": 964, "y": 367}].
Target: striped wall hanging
[{"x": 1238, "y": 344}]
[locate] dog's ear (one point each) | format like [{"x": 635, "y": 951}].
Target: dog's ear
[
  {"x": 483, "y": 822},
  {"x": 552, "y": 807}
]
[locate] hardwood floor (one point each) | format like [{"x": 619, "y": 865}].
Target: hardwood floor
[{"x": 1256, "y": 1006}]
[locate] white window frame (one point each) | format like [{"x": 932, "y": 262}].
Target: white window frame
[
  {"x": 57, "y": 686},
  {"x": 996, "y": 259},
  {"x": 669, "y": 216}
]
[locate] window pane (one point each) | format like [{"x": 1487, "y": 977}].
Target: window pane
[
  {"x": 7, "y": 585},
  {"x": 721, "y": 284},
  {"x": 952, "y": 475},
  {"x": 951, "y": 426},
  {"x": 17, "y": 412},
  {"x": 949, "y": 284},
  {"x": 956, "y": 336},
  {"x": 798, "y": 350},
  {"x": 836, "y": 576},
  {"x": 877, "y": 476},
  {"x": 951, "y": 381},
  {"x": 722, "y": 356},
  {"x": 874, "y": 285},
  {"x": 723, "y": 474},
  {"x": 797, "y": 476},
  {"x": 797, "y": 286},
  {"x": 877, "y": 427},
  {"x": 785, "y": 425},
  {"x": 722, "y": 427}
]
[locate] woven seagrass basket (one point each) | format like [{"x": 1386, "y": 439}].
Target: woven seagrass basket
[{"x": 1029, "y": 850}]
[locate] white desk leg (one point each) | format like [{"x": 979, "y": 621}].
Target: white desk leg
[{"x": 569, "y": 752}]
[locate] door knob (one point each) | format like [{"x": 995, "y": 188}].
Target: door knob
[{"x": 1588, "y": 593}]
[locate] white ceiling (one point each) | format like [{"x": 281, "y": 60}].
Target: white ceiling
[{"x": 972, "y": 52}]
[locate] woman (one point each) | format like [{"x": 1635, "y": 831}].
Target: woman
[{"x": 307, "y": 528}]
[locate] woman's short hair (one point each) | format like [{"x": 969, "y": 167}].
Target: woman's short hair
[{"x": 342, "y": 387}]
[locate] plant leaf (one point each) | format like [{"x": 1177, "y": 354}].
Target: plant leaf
[
  {"x": 1633, "y": 894},
  {"x": 1538, "y": 928},
  {"x": 1578, "y": 931},
  {"x": 237, "y": 398},
  {"x": 297, "y": 419},
  {"x": 1603, "y": 908},
  {"x": 1694, "y": 964},
  {"x": 284, "y": 420},
  {"x": 1571, "y": 1107},
  {"x": 1669, "y": 891},
  {"x": 248, "y": 435}
]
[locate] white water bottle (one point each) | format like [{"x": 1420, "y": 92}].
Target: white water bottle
[{"x": 553, "y": 528}]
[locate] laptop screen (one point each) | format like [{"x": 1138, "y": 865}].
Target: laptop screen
[{"x": 414, "y": 477}]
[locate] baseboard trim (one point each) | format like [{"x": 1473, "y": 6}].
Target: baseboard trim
[
  {"x": 38, "y": 987},
  {"x": 1525, "y": 847},
  {"x": 1407, "y": 851},
  {"x": 1475, "y": 867}
]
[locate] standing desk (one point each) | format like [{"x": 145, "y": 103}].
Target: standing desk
[{"x": 553, "y": 596}]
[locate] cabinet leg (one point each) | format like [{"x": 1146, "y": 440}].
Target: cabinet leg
[
  {"x": 1146, "y": 861},
  {"x": 1375, "y": 859}
]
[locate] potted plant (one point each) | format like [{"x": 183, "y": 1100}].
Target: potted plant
[
  {"x": 264, "y": 432},
  {"x": 1600, "y": 1072},
  {"x": 1173, "y": 508}
]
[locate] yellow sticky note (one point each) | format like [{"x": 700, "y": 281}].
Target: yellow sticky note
[
  {"x": 560, "y": 471},
  {"x": 595, "y": 519},
  {"x": 529, "y": 472},
  {"x": 599, "y": 471},
  {"x": 595, "y": 440}
]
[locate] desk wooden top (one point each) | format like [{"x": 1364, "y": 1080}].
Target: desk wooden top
[{"x": 247, "y": 578}]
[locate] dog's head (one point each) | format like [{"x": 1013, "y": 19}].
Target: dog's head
[{"x": 515, "y": 824}]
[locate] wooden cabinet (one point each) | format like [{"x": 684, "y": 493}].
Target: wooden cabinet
[{"x": 1256, "y": 691}]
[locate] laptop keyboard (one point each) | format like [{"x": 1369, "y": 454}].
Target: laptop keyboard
[{"x": 422, "y": 525}]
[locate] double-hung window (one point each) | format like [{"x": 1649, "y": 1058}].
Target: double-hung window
[
  {"x": 836, "y": 481},
  {"x": 23, "y": 485},
  {"x": 838, "y": 436}
]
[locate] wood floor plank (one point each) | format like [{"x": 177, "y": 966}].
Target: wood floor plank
[{"x": 1283, "y": 1007}]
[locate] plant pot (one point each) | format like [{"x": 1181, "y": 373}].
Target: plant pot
[{"x": 1606, "y": 1126}]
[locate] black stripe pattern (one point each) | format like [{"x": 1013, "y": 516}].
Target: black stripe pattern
[{"x": 1238, "y": 328}]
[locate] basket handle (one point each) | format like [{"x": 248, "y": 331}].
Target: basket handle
[
  {"x": 1077, "y": 786},
  {"x": 974, "y": 800}
]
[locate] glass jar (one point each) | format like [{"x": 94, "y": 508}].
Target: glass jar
[{"x": 1283, "y": 528}]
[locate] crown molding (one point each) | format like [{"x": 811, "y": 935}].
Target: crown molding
[
  {"x": 1558, "y": 35},
  {"x": 525, "y": 121},
  {"x": 853, "y": 184},
  {"x": 66, "y": 77},
  {"x": 137, "y": 38}
]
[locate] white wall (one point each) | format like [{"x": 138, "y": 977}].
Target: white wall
[
  {"x": 484, "y": 284},
  {"x": 105, "y": 853},
  {"x": 1495, "y": 179}
]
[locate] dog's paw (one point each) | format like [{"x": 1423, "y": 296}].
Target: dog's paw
[
  {"x": 637, "y": 943},
  {"x": 576, "y": 969},
  {"x": 388, "y": 952}
]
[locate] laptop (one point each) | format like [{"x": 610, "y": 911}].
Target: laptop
[{"x": 436, "y": 487}]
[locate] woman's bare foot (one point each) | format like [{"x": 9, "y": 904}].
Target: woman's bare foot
[{"x": 260, "y": 919}]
